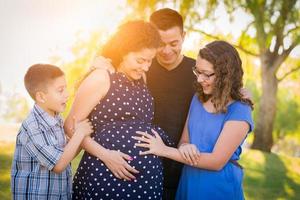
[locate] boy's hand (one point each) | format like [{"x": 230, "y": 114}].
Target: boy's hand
[
  {"x": 101, "y": 62},
  {"x": 84, "y": 127}
]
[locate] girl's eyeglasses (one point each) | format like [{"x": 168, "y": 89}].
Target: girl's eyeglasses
[{"x": 204, "y": 76}]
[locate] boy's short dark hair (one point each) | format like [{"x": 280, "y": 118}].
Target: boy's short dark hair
[
  {"x": 166, "y": 18},
  {"x": 38, "y": 76}
]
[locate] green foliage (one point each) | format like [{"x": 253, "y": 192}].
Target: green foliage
[
  {"x": 143, "y": 9},
  {"x": 288, "y": 115},
  {"x": 248, "y": 41},
  {"x": 255, "y": 92},
  {"x": 270, "y": 176},
  {"x": 288, "y": 110},
  {"x": 15, "y": 108},
  {"x": 83, "y": 52}
]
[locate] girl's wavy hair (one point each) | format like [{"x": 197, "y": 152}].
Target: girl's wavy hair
[{"x": 228, "y": 75}]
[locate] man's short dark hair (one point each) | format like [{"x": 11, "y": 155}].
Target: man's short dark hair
[
  {"x": 38, "y": 76},
  {"x": 166, "y": 18}
]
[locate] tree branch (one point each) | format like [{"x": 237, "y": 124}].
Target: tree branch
[
  {"x": 292, "y": 30},
  {"x": 245, "y": 31},
  {"x": 278, "y": 41},
  {"x": 257, "y": 9},
  {"x": 288, "y": 73},
  {"x": 281, "y": 58},
  {"x": 280, "y": 22},
  {"x": 218, "y": 38}
]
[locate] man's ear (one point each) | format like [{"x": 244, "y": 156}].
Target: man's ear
[{"x": 40, "y": 97}]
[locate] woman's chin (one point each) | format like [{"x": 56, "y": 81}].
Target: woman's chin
[{"x": 136, "y": 77}]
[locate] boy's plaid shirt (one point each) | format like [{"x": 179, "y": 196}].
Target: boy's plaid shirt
[{"x": 40, "y": 143}]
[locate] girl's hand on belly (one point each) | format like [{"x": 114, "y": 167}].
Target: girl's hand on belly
[{"x": 154, "y": 143}]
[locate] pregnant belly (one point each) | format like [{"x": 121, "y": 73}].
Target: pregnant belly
[{"x": 119, "y": 137}]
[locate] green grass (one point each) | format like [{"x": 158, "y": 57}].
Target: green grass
[
  {"x": 267, "y": 176},
  {"x": 271, "y": 176}
]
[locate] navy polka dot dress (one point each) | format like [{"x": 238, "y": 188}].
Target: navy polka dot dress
[{"x": 127, "y": 108}]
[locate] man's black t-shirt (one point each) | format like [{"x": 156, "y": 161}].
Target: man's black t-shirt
[{"x": 172, "y": 91}]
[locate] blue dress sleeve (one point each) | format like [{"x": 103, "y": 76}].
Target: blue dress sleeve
[{"x": 239, "y": 111}]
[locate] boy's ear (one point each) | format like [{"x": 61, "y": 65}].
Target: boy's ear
[{"x": 40, "y": 97}]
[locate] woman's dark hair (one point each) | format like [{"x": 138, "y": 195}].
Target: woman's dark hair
[
  {"x": 228, "y": 75},
  {"x": 130, "y": 37}
]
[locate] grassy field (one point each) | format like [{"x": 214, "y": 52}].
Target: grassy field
[{"x": 267, "y": 176}]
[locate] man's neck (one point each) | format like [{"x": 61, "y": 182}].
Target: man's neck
[{"x": 173, "y": 65}]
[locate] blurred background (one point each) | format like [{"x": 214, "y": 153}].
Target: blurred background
[{"x": 69, "y": 33}]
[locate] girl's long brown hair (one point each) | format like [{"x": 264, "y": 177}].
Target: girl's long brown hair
[{"x": 228, "y": 75}]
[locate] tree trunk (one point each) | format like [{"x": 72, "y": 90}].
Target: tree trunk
[{"x": 263, "y": 138}]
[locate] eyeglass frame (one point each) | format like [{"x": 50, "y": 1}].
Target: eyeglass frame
[{"x": 205, "y": 76}]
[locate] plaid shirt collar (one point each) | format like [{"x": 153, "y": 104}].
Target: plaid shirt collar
[{"x": 44, "y": 118}]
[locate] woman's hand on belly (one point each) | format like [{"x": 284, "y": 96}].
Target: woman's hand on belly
[{"x": 115, "y": 161}]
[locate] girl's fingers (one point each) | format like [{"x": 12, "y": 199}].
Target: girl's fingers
[
  {"x": 143, "y": 139},
  {"x": 142, "y": 145},
  {"x": 156, "y": 134},
  {"x": 183, "y": 153},
  {"x": 187, "y": 157},
  {"x": 194, "y": 154},
  {"x": 145, "y": 153},
  {"x": 145, "y": 134}
]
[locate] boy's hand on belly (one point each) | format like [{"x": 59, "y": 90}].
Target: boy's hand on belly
[{"x": 115, "y": 161}]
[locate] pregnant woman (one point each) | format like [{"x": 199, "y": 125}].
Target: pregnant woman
[{"x": 118, "y": 105}]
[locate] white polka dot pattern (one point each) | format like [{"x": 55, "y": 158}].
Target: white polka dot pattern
[{"x": 127, "y": 107}]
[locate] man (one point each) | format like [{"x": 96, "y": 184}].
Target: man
[{"x": 170, "y": 80}]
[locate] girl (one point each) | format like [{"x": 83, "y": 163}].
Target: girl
[{"x": 218, "y": 122}]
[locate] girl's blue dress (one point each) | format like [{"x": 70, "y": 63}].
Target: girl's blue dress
[{"x": 204, "y": 130}]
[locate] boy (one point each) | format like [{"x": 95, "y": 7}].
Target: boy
[{"x": 40, "y": 168}]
